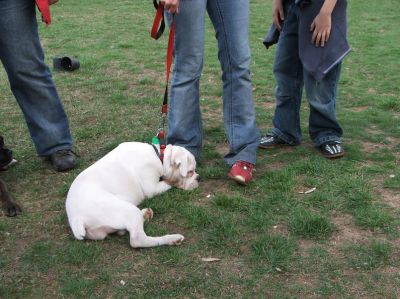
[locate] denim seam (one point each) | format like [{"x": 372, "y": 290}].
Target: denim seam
[
  {"x": 232, "y": 142},
  {"x": 297, "y": 82},
  {"x": 326, "y": 139}
]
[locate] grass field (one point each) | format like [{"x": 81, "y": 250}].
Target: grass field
[{"x": 270, "y": 241}]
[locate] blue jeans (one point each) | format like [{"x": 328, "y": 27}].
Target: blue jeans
[
  {"x": 30, "y": 78},
  {"x": 290, "y": 78},
  {"x": 230, "y": 20}
]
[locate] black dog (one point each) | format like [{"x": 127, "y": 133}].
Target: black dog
[
  {"x": 6, "y": 157},
  {"x": 7, "y": 203}
]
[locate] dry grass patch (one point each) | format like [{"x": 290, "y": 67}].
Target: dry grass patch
[
  {"x": 347, "y": 233},
  {"x": 360, "y": 108}
]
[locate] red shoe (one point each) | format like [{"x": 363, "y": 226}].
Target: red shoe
[{"x": 241, "y": 172}]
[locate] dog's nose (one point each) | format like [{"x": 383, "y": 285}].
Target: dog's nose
[{"x": 198, "y": 178}]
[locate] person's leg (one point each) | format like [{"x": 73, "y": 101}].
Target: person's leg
[
  {"x": 288, "y": 72},
  {"x": 184, "y": 118},
  {"x": 231, "y": 20},
  {"x": 323, "y": 125},
  {"x": 30, "y": 78},
  {"x": 324, "y": 129}
]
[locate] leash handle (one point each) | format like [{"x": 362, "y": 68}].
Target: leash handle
[
  {"x": 159, "y": 23},
  {"x": 156, "y": 31}
]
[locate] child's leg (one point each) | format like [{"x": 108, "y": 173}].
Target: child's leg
[
  {"x": 323, "y": 125},
  {"x": 288, "y": 72}
]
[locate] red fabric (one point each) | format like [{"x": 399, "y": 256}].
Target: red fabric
[
  {"x": 158, "y": 18},
  {"x": 44, "y": 8}
]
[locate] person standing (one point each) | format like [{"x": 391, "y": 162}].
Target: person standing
[
  {"x": 231, "y": 21},
  {"x": 311, "y": 46},
  {"x": 31, "y": 82}
]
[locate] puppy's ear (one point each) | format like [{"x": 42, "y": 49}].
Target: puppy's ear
[
  {"x": 179, "y": 160},
  {"x": 183, "y": 167}
]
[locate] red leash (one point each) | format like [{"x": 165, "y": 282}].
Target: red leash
[{"x": 156, "y": 31}]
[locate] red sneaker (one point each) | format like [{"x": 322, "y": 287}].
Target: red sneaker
[{"x": 241, "y": 172}]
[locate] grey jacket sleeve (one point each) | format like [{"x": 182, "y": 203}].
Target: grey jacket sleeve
[{"x": 320, "y": 60}]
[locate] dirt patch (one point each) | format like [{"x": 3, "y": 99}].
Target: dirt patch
[
  {"x": 270, "y": 166},
  {"x": 210, "y": 187},
  {"x": 389, "y": 143},
  {"x": 388, "y": 269},
  {"x": 360, "y": 108},
  {"x": 387, "y": 196},
  {"x": 279, "y": 229},
  {"x": 346, "y": 233},
  {"x": 373, "y": 130},
  {"x": 305, "y": 246},
  {"x": 268, "y": 105},
  {"x": 370, "y": 147},
  {"x": 306, "y": 280},
  {"x": 113, "y": 71},
  {"x": 390, "y": 197},
  {"x": 222, "y": 148},
  {"x": 393, "y": 140}
]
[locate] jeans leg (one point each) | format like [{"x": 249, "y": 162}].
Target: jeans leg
[
  {"x": 323, "y": 125},
  {"x": 288, "y": 72},
  {"x": 184, "y": 118},
  {"x": 231, "y": 22},
  {"x": 30, "y": 78}
]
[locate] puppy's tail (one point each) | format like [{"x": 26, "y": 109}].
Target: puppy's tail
[{"x": 78, "y": 228}]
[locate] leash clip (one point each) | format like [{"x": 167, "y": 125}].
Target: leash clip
[{"x": 161, "y": 126}]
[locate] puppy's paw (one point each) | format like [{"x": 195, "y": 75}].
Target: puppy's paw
[
  {"x": 13, "y": 210},
  {"x": 10, "y": 207},
  {"x": 147, "y": 214},
  {"x": 174, "y": 239}
]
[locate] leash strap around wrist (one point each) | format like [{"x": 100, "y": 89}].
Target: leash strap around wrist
[{"x": 156, "y": 31}]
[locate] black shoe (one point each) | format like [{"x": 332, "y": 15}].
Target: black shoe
[
  {"x": 332, "y": 150},
  {"x": 271, "y": 141},
  {"x": 63, "y": 160}
]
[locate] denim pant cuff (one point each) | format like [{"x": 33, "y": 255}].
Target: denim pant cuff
[
  {"x": 319, "y": 141},
  {"x": 55, "y": 149},
  {"x": 282, "y": 136},
  {"x": 242, "y": 156}
]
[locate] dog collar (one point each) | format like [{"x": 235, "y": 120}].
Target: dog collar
[{"x": 160, "y": 153}]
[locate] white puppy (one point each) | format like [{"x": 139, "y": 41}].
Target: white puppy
[{"x": 103, "y": 199}]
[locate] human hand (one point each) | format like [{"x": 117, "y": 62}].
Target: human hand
[
  {"x": 172, "y": 6},
  {"x": 278, "y": 14},
  {"x": 52, "y": 2},
  {"x": 321, "y": 27}
]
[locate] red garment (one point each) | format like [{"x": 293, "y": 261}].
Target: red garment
[{"x": 44, "y": 8}]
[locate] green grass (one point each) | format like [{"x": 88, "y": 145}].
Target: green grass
[
  {"x": 368, "y": 256},
  {"x": 309, "y": 225},
  {"x": 340, "y": 241}
]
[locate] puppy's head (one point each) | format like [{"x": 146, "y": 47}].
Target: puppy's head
[{"x": 180, "y": 168}]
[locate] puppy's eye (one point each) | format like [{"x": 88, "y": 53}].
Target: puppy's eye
[{"x": 190, "y": 173}]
